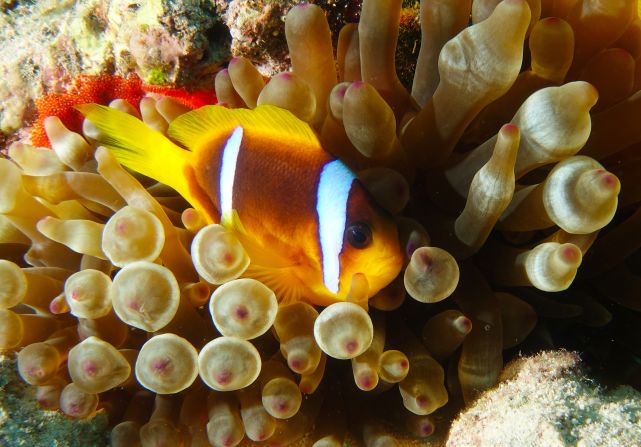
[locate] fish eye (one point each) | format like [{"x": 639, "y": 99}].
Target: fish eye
[{"x": 359, "y": 235}]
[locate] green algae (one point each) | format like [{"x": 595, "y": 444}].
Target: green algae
[
  {"x": 156, "y": 76},
  {"x": 23, "y": 423}
]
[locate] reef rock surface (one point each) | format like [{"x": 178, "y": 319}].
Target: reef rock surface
[
  {"x": 24, "y": 423},
  {"x": 547, "y": 400},
  {"x": 47, "y": 43}
]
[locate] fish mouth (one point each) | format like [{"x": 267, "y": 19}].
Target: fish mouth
[{"x": 386, "y": 267}]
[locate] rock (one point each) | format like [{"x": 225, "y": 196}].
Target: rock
[
  {"x": 54, "y": 41},
  {"x": 24, "y": 423},
  {"x": 257, "y": 29},
  {"x": 548, "y": 400}
]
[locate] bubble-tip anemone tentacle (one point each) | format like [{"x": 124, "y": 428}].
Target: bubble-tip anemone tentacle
[{"x": 510, "y": 174}]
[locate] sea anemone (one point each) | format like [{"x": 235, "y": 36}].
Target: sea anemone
[{"x": 502, "y": 166}]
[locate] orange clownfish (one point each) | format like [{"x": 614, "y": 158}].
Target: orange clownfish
[{"x": 306, "y": 222}]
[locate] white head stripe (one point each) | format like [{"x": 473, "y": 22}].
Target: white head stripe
[
  {"x": 331, "y": 205},
  {"x": 228, "y": 169}
]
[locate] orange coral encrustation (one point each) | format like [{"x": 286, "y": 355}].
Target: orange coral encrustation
[{"x": 102, "y": 89}]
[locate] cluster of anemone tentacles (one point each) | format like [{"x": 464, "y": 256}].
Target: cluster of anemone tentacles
[{"x": 117, "y": 296}]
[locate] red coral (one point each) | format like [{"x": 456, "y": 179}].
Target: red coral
[
  {"x": 102, "y": 90},
  {"x": 193, "y": 100},
  {"x": 84, "y": 89}
]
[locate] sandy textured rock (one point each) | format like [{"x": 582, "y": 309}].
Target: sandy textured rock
[
  {"x": 257, "y": 30},
  {"x": 24, "y": 423},
  {"x": 547, "y": 400}
]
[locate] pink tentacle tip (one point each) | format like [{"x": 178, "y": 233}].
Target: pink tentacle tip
[
  {"x": 58, "y": 307},
  {"x": 223, "y": 377},
  {"x": 35, "y": 372},
  {"x": 404, "y": 364},
  {"x": 228, "y": 441},
  {"x": 234, "y": 60},
  {"x": 571, "y": 254},
  {"x": 226, "y": 258},
  {"x": 281, "y": 405},
  {"x": 351, "y": 346},
  {"x": 297, "y": 364},
  {"x": 160, "y": 366},
  {"x": 427, "y": 261},
  {"x": 122, "y": 226},
  {"x": 261, "y": 436},
  {"x": 609, "y": 180},
  {"x": 286, "y": 75},
  {"x": 410, "y": 248},
  {"x": 90, "y": 368},
  {"x": 341, "y": 91},
  {"x": 422, "y": 400},
  {"x": 463, "y": 324},
  {"x": 190, "y": 214},
  {"x": 366, "y": 382},
  {"x": 620, "y": 52},
  {"x": 357, "y": 84},
  {"x": 552, "y": 20},
  {"x": 510, "y": 128},
  {"x": 134, "y": 304},
  {"x": 241, "y": 312},
  {"x": 74, "y": 408},
  {"x": 427, "y": 429}
]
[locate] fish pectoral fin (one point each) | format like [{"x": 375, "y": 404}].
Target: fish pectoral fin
[
  {"x": 283, "y": 281},
  {"x": 266, "y": 264},
  {"x": 258, "y": 253}
]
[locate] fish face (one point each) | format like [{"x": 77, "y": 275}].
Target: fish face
[
  {"x": 370, "y": 244},
  {"x": 355, "y": 234}
]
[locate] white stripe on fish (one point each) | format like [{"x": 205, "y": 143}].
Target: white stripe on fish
[
  {"x": 228, "y": 170},
  {"x": 331, "y": 205}
]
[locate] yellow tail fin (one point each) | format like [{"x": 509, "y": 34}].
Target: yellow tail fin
[{"x": 142, "y": 149}]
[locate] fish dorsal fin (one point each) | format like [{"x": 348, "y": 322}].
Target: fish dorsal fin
[{"x": 197, "y": 128}]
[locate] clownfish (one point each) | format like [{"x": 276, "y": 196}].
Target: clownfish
[{"x": 305, "y": 220}]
